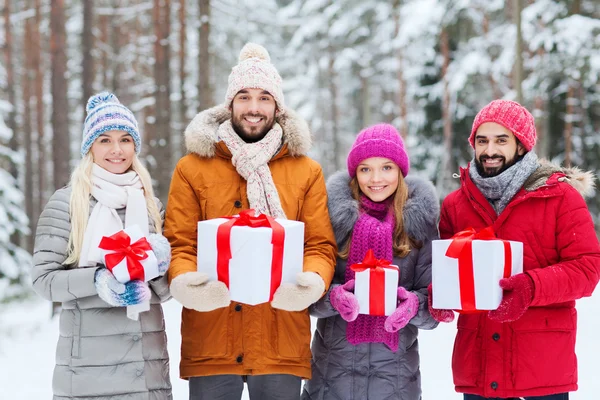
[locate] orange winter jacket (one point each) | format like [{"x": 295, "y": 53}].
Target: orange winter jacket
[{"x": 243, "y": 339}]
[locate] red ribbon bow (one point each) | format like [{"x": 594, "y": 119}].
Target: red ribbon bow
[
  {"x": 461, "y": 248},
  {"x": 377, "y": 269},
  {"x": 248, "y": 218},
  {"x": 120, "y": 244}
]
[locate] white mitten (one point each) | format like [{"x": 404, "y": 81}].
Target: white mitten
[
  {"x": 298, "y": 297},
  {"x": 194, "y": 291}
]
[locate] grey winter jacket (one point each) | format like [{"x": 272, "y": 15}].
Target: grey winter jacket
[
  {"x": 101, "y": 354},
  {"x": 372, "y": 371}
]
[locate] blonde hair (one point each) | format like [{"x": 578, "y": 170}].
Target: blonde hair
[
  {"x": 79, "y": 204},
  {"x": 402, "y": 242}
]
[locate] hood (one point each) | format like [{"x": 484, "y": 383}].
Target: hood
[
  {"x": 201, "y": 134},
  {"x": 421, "y": 210},
  {"x": 582, "y": 181}
]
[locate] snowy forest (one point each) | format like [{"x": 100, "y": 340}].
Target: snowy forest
[{"x": 426, "y": 66}]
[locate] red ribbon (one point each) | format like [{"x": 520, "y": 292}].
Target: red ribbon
[
  {"x": 120, "y": 244},
  {"x": 248, "y": 218},
  {"x": 377, "y": 269},
  {"x": 461, "y": 248}
]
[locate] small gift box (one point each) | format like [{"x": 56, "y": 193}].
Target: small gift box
[
  {"x": 251, "y": 254},
  {"x": 466, "y": 270},
  {"x": 376, "y": 285},
  {"x": 128, "y": 255}
]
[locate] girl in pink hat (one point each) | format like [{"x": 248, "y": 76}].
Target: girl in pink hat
[{"x": 375, "y": 205}]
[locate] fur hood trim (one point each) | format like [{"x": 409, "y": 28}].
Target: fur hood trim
[
  {"x": 201, "y": 133},
  {"x": 421, "y": 211},
  {"x": 582, "y": 181}
]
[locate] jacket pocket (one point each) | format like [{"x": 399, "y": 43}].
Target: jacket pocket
[
  {"x": 466, "y": 356},
  {"x": 76, "y": 345},
  {"x": 543, "y": 350},
  {"x": 206, "y": 334},
  {"x": 290, "y": 334}
]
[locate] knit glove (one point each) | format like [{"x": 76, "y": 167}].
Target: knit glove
[
  {"x": 342, "y": 298},
  {"x": 162, "y": 250},
  {"x": 119, "y": 294},
  {"x": 440, "y": 315},
  {"x": 297, "y": 297},
  {"x": 518, "y": 295},
  {"x": 407, "y": 308},
  {"x": 194, "y": 291}
]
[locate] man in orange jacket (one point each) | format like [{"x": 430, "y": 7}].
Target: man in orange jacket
[{"x": 247, "y": 153}]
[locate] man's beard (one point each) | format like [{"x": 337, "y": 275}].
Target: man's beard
[
  {"x": 497, "y": 170},
  {"x": 254, "y": 135}
]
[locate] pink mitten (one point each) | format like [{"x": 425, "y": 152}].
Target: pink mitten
[
  {"x": 518, "y": 295},
  {"x": 408, "y": 305},
  {"x": 439, "y": 315},
  {"x": 343, "y": 299}
]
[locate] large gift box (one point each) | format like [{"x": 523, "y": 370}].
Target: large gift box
[
  {"x": 251, "y": 254},
  {"x": 467, "y": 269},
  {"x": 128, "y": 255},
  {"x": 376, "y": 285}
]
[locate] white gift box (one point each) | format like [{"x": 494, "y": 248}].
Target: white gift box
[
  {"x": 488, "y": 268},
  {"x": 251, "y": 257},
  {"x": 388, "y": 281},
  {"x": 121, "y": 270}
]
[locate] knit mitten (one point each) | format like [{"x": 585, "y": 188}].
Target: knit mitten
[
  {"x": 194, "y": 291},
  {"x": 440, "y": 315},
  {"x": 162, "y": 250},
  {"x": 342, "y": 298},
  {"x": 518, "y": 295},
  {"x": 297, "y": 297},
  {"x": 407, "y": 308},
  {"x": 119, "y": 294}
]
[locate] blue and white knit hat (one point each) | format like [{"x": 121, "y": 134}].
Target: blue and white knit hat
[{"x": 105, "y": 113}]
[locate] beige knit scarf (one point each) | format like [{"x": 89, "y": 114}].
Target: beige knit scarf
[{"x": 251, "y": 162}]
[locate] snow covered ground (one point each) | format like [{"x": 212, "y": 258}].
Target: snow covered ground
[{"x": 28, "y": 339}]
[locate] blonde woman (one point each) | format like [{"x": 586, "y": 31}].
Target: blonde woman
[{"x": 102, "y": 353}]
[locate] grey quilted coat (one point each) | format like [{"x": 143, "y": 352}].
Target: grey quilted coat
[
  {"x": 101, "y": 354},
  {"x": 372, "y": 371}
]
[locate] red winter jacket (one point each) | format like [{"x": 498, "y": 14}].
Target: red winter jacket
[{"x": 535, "y": 355}]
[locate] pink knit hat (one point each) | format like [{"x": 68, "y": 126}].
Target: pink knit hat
[
  {"x": 512, "y": 116},
  {"x": 381, "y": 140},
  {"x": 255, "y": 71}
]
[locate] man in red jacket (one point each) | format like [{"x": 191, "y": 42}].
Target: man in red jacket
[{"x": 525, "y": 348}]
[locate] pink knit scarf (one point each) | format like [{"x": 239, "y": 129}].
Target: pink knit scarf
[{"x": 374, "y": 229}]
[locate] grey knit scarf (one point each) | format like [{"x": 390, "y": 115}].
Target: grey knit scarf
[{"x": 500, "y": 189}]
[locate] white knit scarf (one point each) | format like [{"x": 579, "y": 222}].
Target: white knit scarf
[
  {"x": 251, "y": 162},
  {"x": 113, "y": 192}
]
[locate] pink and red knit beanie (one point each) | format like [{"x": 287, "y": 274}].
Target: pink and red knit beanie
[
  {"x": 381, "y": 140},
  {"x": 255, "y": 71},
  {"x": 512, "y": 116}
]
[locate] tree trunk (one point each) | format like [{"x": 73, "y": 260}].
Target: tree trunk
[
  {"x": 61, "y": 154},
  {"x": 518, "y": 77},
  {"x": 13, "y": 144},
  {"x": 116, "y": 36},
  {"x": 569, "y": 123},
  {"x": 161, "y": 143},
  {"x": 104, "y": 38},
  {"x": 182, "y": 75},
  {"x": 333, "y": 96},
  {"x": 27, "y": 131},
  {"x": 204, "y": 87},
  {"x": 87, "y": 44},
  {"x": 39, "y": 113},
  {"x": 446, "y": 116},
  {"x": 400, "y": 75}
]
